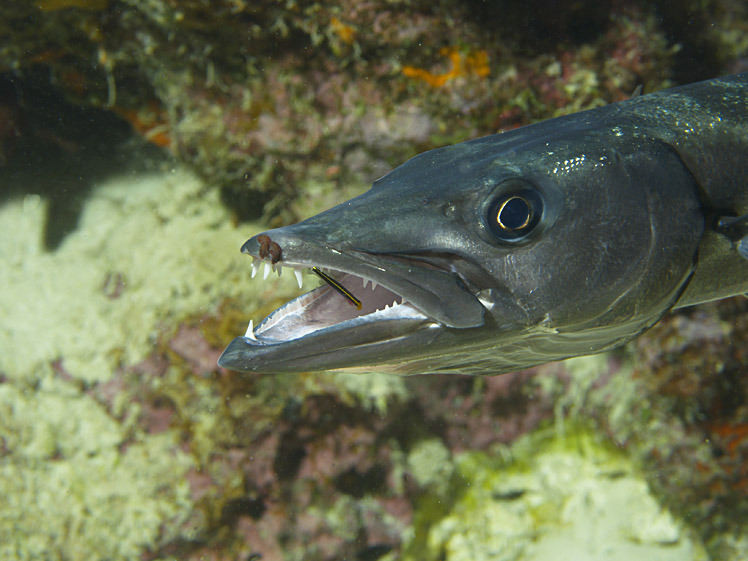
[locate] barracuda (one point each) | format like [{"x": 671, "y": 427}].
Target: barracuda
[{"x": 563, "y": 238}]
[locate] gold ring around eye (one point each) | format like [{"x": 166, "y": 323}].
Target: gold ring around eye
[{"x": 501, "y": 209}]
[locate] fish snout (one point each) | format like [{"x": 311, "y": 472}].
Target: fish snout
[{"x": 273, "y": 246}]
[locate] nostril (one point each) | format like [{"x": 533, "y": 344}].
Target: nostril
[{"x": 268, "y": 249}]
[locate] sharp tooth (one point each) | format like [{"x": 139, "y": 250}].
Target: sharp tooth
[
  {"x": 266, "y": 272},
  {"x": 373, "y": 284},
  {"x": 486, "y": 298},
  {"x": 297, "y": 274},
  {"x": 366, "y": 282},
  {"x": 254, "y": 266},
  {"x": 279, "y": 269},
  {"x": 251, "y": 331}
]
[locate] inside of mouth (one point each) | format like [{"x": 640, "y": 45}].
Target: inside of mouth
[{"x": 324, "y": 307}]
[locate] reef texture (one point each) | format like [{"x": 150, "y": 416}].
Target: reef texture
[
  {"x": 261, "y": 97},
  {"x": 120, "y": 438}
]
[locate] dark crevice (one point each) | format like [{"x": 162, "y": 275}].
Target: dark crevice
[
  {"x": 358, "y": 484},
  {"x": 61, "y": 151},
  {"x": 288, "y": 457},
  {"x": 243, "y": 506}
]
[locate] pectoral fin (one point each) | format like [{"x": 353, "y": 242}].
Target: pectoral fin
[
  {"x": 735, "y": 228},
  {"x": 743, "y": 247}
]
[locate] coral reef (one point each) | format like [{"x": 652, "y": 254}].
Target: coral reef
[
  {"x": 695, "y": 363},
  {"x": 319, "y": 466},
  {"x": 77, "y": 482},
  {"x": 120, "y": 438},
  {"x": 549, "y": 496},
  {"x": 261, "y": 97}
]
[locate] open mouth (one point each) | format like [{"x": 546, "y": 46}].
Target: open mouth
[
  {"x": 367, "y": 305},
  {"x": 365, "y": 299},
  {"x": 344, "y": 297}
]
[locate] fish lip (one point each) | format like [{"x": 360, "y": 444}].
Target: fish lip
[{"x": 331, "y": 348}]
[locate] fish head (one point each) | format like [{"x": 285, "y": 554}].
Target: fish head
[{"x": 485, "y": 257}]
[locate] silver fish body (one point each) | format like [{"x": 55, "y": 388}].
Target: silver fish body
[{"x": 563, "y": 238}]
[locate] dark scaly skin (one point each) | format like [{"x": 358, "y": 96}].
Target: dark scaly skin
[{"x": 634, "y": 199}]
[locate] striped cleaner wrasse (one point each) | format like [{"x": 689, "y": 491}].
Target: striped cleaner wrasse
[{"x": 563, "y": 238}]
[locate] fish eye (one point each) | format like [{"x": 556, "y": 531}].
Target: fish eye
[{"x": 513, "y": 215}]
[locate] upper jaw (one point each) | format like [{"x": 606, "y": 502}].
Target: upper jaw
[{"x": 439, "y": 295}]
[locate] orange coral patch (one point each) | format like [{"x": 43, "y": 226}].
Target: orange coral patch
[
  {"x": 342, "y": 30},
  {"x": 462, "y": 64},
  {"x": 733, "y": 435},
  {"x": 149, "y": 123}
]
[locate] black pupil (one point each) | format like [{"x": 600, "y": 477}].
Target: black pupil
[{"x": 514, "y": 214}]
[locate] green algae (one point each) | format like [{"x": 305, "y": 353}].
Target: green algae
[
  {"x": 79, "y": 477},
  {"x": 70, "y": 492},
  {"x": 550, "y": 496},
  {"x": 169, "y": 241},
  {"x": 430, "y": 464},
  {"x": 373, "y": 391}
]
